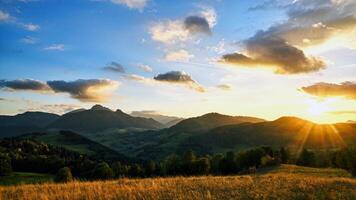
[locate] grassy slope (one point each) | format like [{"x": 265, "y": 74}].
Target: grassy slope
[
  {"x": 18, "y": 178},
  {"x": 298, "y": 183},
  {"x": 307, "y": 171}
]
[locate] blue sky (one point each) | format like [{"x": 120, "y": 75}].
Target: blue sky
[{"x": 44, "y": 40}]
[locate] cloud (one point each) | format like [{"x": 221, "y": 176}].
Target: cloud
[
  {"x": 133, "y": 4},
  {"x": 24, "y": 84},
  {"x": 342, "y": 112},
  {"x": 4, "y": 16},
  {"x": 55, "y": 47},
  {"x": 90, "y": 90},
  {"x": 7, "y": 18},
  {"x": 141, "y": 79},
  {"x": 310, "y": 24},
  {"x": 210, "y": 15},
  {"x": 345, "y": 89},
  {"x": 169, "y": 32},
  {"x": 87, "y": 90},
  {"x": 224, "y": 87},
  {"x": 269, "y": 51},
  {"x": 197, "y": 24},
  {"x": 179, "y": 55},
  {"x": 145, "y": 68},
  {"x": 31, "y": 27},
  {"x": 174, "y": 31},
  {"x": 114, "y": 67},
  {"x": 179, "y": 77},
  {"x": 29, "y": 40}
]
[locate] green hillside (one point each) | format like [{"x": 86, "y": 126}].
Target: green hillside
[
  {"x": 290, "y": 132},
  {"x": 25, "y": 123},
  {"x": 75, "y": 142}
]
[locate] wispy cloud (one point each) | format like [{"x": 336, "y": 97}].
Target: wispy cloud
[
  {"x": 133, "y": 4},
  {"x": 342, "y": 112},
  {"x": 145, "y": 68},
  {"x": 5, "y": 17},
  {"x": 31, "y": 27},
  {"x": 114, "y": 67},
  {"x": 179, "y": 55},
  {"x": 55, "y": 47},
  {"x": 29, "y": 40}
]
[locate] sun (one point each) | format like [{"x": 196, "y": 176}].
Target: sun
[{"x": 318, "y": 108}]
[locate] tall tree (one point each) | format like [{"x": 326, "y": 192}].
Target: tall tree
[
  {"x": 306, "y": 158},
  {"x": 5, "y": 165}
]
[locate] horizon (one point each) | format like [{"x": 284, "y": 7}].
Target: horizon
[
  {"x": 265, "y": 59},
  {"x": 149, "y": 112}
]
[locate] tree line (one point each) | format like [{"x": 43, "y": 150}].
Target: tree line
[{"x": 32, "y": 156}]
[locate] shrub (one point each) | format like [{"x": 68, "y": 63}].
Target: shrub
[
  {"x": 63, "y": 175},
  {"x": 102, "y": 171}
]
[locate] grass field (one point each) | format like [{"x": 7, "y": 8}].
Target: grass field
[
  {"x": 21, "y": 178},
  {"x": 297, "y": 183}
]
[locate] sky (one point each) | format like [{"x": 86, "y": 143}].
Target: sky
[{"x": 182, "y": 58}]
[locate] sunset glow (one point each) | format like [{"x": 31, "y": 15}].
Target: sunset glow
[{"x": 187, "y": 58}]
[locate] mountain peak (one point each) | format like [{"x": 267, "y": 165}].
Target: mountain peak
[{"x": 99, "y": 107}]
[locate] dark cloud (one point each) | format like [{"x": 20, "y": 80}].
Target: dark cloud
[
  {"x": 265, "y": 50},
  {"x": 84, "y": 90},
  {"x": 181, "y": 78},
  {"x": 174, "y": 76},
  {"x": 114, "y": 67},
  {"x": 24, "y": 84},
  {"x": 197, "y": 24},
  {"x": 345, "y": 89}
]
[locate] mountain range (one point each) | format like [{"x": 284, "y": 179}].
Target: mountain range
[{"x": 100, "y": 129}]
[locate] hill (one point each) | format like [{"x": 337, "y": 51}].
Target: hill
[
  {"x": 99, "y": 118},
  {"x": 290, "y": 132},
  {"x": 158, "y": 144},
  {"x": 75, "y": 142},
  {"x": 209, "y": 121},
  {"x": 25, "y": 122}
]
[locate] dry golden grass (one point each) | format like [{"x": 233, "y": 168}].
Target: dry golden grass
[{"x": 275, "y": 186}]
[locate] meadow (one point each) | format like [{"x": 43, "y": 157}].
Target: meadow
[{"x": 286, "y": 182}]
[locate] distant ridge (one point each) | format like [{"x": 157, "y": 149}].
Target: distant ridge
[
  {"x": 99, "y": 118},
  {"x": 167, "y": 121},
  {"x": 291, "y": 132},
  {"x": 25, "y": 122},
  {"x": 211, "y": 120}
]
